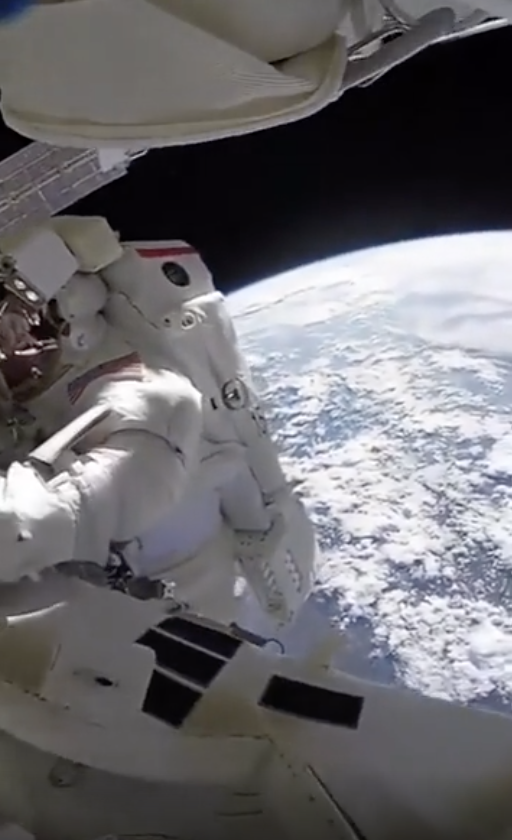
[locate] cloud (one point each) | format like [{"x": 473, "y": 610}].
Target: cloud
[{"x": 390, "y": 386}]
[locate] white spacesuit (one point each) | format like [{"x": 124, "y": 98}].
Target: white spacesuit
[
  {"x": 146, "y": 73},
  {"x": 135, "y": 440}
]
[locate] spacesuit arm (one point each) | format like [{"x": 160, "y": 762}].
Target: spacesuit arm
[
  {"x": 116, "y": 488},
  {"x": 131, "y": 479}
]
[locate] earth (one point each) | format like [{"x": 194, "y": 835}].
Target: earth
[{"x": 387, "y": 378}]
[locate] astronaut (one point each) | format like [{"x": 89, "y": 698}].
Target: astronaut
[{"x": 131, "y": 434}]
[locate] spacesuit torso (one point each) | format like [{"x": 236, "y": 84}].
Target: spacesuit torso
[{"x": 178, "y": 478}]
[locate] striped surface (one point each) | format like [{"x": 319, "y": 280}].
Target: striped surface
[{"x": 129, "y": 366}]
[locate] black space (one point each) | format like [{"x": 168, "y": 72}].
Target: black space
[{"x": 424, "y": 151}]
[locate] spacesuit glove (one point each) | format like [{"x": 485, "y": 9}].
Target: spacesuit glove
[{"x": 37, "y": 525}]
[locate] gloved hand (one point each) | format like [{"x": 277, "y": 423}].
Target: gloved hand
[{"x": 37, "y": 528}]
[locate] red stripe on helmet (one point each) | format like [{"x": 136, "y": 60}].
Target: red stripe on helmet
[{"x": 158, "y": 253}]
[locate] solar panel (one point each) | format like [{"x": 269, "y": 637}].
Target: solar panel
[
  {"x": 41, "y": 180},
  {"x": 312, "y": 702}
]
